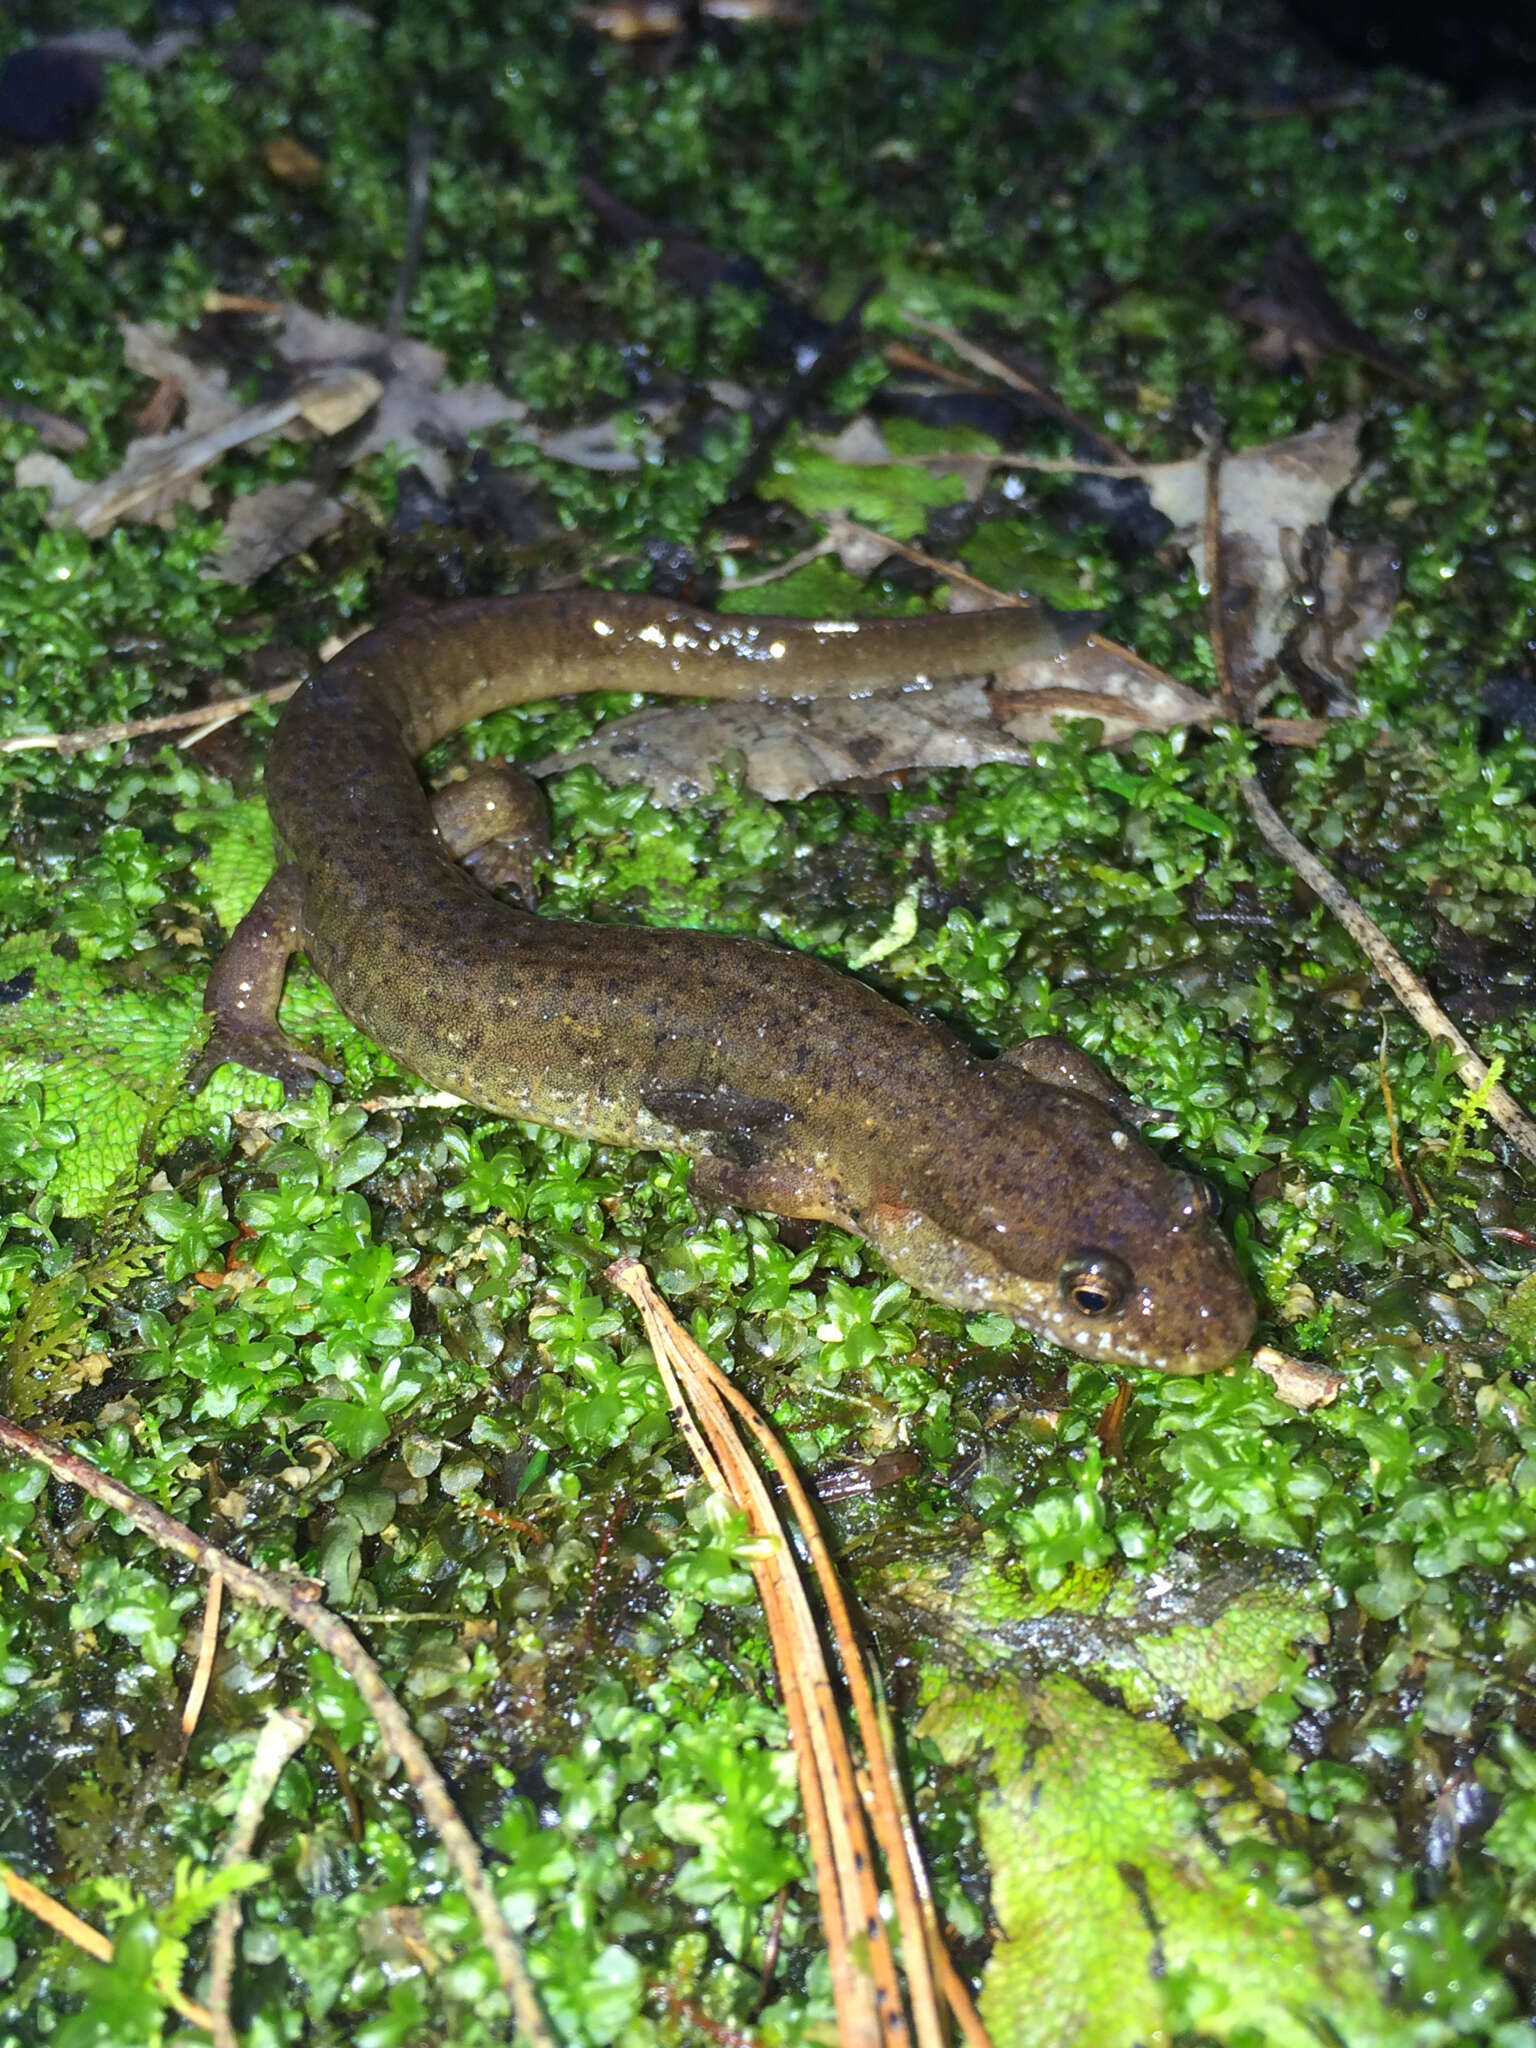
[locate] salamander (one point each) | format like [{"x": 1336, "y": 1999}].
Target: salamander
[{"x": 1015, "y": 1184}]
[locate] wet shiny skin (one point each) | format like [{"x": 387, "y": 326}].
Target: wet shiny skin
[{"x": 795, "y": 1088}]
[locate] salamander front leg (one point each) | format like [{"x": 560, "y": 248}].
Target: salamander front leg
[
  {"x": 246, "y": 986},
  {"x": 497, "y": 823},
  {"x": 774, "y": 1189}
]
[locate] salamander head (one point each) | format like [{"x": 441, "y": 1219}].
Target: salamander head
[{"x": 1076, "y": 1230}]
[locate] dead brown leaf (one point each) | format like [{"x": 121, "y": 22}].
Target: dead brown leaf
[
  {"x": 1097, "y": 679},
  {"x": 160, "y": 471},
  {"x": 153, "y": 352},
  {"x": 1272, "y": 499},
  {"x": 341, "y": 372},
  {"x": 413, "y": 414},
  {"x": 1350, "y": 591},
  {"x": 267, "y": 526},
  {"x": 790, "y": 750}
]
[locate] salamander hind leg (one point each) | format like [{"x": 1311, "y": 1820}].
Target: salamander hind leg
[
  {"x": 246, "y": 986},
  {"x": 497, "y": 823}
]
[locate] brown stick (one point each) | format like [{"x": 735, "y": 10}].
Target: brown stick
[
  {"x": 1216, "y": 617},
  {"x": 268, "y": 1589},
  {"x": 85, "y": 1936},
  {"x": 68, "y": 743},
  {"x": 983, "y": 359},
  {"x": 1393, "y": 969},
  {"x": 1389, "y": 964},
  {"x": 1047, "y": 465}
]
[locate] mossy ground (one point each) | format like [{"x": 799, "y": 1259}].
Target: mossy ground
[{"x": 381, "y": 1350}]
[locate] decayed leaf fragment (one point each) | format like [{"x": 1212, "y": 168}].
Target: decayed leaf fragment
[
  {"x": 287, "y": 159},
  {"x": 1299, "y": 1383},
  {"x": 152, "y": 351},
  {"x": 342, "y": 371},
  {"x": 789, "y": 750},
  {"x": 1096, "y": 679},
  {"x": 1350, "y": 590},
  {"x": 269, "y": 525},
  {"x": 1272, "y": 498},
  {"x": 416, "y": 413},
  {"x": 159, "y": 471}
]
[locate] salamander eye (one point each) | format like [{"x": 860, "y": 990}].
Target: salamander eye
[
  {"x": 1196, "y": 1197},
  {"x": 1096, "y": 1283}
]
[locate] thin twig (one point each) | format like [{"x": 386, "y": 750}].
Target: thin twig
[
  {"x": 1048, "y": 465},
  {"x": 900, "y": 355},
  {"x": 948, "y": 570},
  {"x": 1467, "y": 130},
  {"x": 771, "y": 1949},
  {"x": 1216, "y": 616},
  {"x": 800, "y": 561},
  {"x": 1389, "y": 964},
  {"x": 84, "y": 1936},
  {"x": 419, "y": 145},
  {"x": 1390, "y": 1107},
  {"x": 1393, "y": 969},
  {"x": 200, "y": 733},
  {"x": 68, "y": 743},
  {"x": 337, "y": 1758},
  {"x": 283, "y": 1735},
  {"x": 983, "y": 359},
  {"x": 269, "y": 1589}
]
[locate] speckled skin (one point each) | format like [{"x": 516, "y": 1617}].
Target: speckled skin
[{"x": 797, "y": 1089}]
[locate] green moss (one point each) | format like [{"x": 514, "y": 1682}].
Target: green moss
[{"x": 1118, "y": 1920}]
